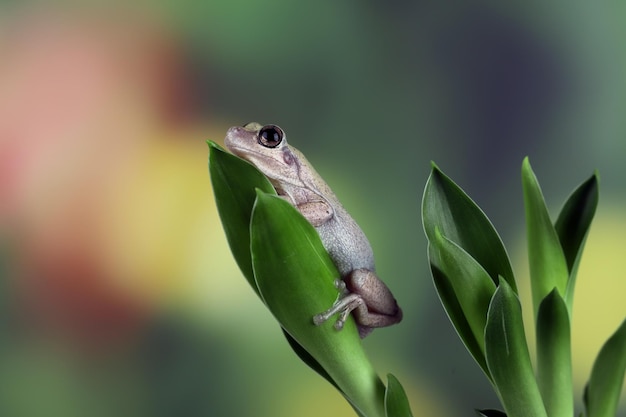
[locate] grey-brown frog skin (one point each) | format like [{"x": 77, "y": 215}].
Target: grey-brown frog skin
[{"x": 294, "y": 179}]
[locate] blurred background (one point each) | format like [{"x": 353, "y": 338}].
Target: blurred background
[{"x": 118, "y": 294}]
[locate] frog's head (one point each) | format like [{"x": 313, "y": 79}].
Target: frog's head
[{"x": 266, "y": 148}]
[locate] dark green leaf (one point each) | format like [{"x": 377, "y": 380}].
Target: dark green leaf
[
  {"x": 572, "y": 227},
  {"x": 548, "y": 269},
  {"x": 446, "y": 207},
  {"x": 508, "y": 358},
  {"x": 470, "y": 288},
  {"x": 396, "y": 402},
  {"x": 607, "y": 376},
  {"x": 234, "y": 181},
  {"x": 295, "y": 277},
  {"x": 490, "y": 413},
  {"x": 554, "y": 358},
  {"x": 457, "y": 317}
]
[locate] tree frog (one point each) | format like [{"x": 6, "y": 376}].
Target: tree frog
[{"x": 361, "y": 291}]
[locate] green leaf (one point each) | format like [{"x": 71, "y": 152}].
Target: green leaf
[
  {"x": 572, "y": 227},
  {"x": 548, "y": 269},
  {"x": 508, "y": 358},
  {"x": 295, "y": 277},
  {"x": 234, "y": 181},
  {"x": 607, "y": 376},
  {"x": 467, "y": 294},
  {"x": 396, "y": 402},
  {"x": 447, "y": 208},
  {"x": 554, "y": 358},
  {"x": 453, "y": 308}
]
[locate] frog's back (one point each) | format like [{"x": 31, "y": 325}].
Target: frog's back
[
  {"x": 346, "y": 243},
  {"x": 341, "y": 235}
]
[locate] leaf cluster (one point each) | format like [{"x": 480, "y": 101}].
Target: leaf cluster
[{"x": 475, "y": 283}]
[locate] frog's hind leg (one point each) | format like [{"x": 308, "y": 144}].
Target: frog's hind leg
[{"x": 347, "y": 303}]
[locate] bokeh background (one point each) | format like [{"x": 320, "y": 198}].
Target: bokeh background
[{"x": 118, "y": 295}]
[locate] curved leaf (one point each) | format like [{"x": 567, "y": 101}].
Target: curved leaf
[
  {"x": 446, "y": 207},
  {"x": 607, "y": 376},
  {"x": 396, "y": 402},
  {"x": 234, "y": 181},
  {"x": 575, "y": 218},
  {"x": 470, "y": 286},
  {"x": 453, "y": 309},
  {"x": 548, "y": 269},
  {"x": 508, "y": 358},
  {"x": 295, "y": 277},
  {"x": 554, "y": 358},
  {"x": 572, "y": 227}
]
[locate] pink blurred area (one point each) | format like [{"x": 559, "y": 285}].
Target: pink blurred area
[{"x": 90, "y": 104}]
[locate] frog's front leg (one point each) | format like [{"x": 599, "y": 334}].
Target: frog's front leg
[{"x": 365, "y": 295}]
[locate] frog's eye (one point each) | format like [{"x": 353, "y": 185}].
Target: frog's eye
[{"x": 270, "y": 136}]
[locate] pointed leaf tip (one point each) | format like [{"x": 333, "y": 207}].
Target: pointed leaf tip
[
  {"x": 508, "y": 358},
  {"x": 554, "y": 362},
  {"x": 603, "y": 390},
  {"x": 447, "y": 207},
  {"x": 396, "y": 401},
  {"x": 548, "y": 267}
]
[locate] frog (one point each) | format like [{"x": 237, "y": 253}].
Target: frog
[{"x": 361, "y": 292}]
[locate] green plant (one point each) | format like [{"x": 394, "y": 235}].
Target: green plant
[
  {"x": 283, "y": 259},
  {"x": 475, "y": 283},
  {"x": 278, "y": 252}
]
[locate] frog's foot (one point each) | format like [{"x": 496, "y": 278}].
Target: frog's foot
[{"x": 344, "y": 306}]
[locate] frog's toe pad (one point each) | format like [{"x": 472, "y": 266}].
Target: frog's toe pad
[{"x": 319, "y": 319}]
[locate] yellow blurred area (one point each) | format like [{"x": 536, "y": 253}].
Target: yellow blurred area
[{"x": 599, "y": 306}]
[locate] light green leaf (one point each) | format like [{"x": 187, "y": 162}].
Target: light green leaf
[
  {"x": 396, "y": 402},
  {"x": 548, "y": 269},
  {"x": 607, "y": 376},
  {"x": 554, "y": 358},
  {"x": 295, "y": 277},
  {"x": 508, "y": 358},
  {"x": 447, "y": 208},
  {"x": 467, "y": 293},
  {"x": 572, "y": 227},
  {"x": 234, "y": 181}
]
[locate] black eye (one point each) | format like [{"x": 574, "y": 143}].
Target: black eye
[{"x": 270, "y": 136}]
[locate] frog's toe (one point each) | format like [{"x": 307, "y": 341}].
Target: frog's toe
[
  {"x": 340, "y": 285},
  {"x": 319, "y": 319}
]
